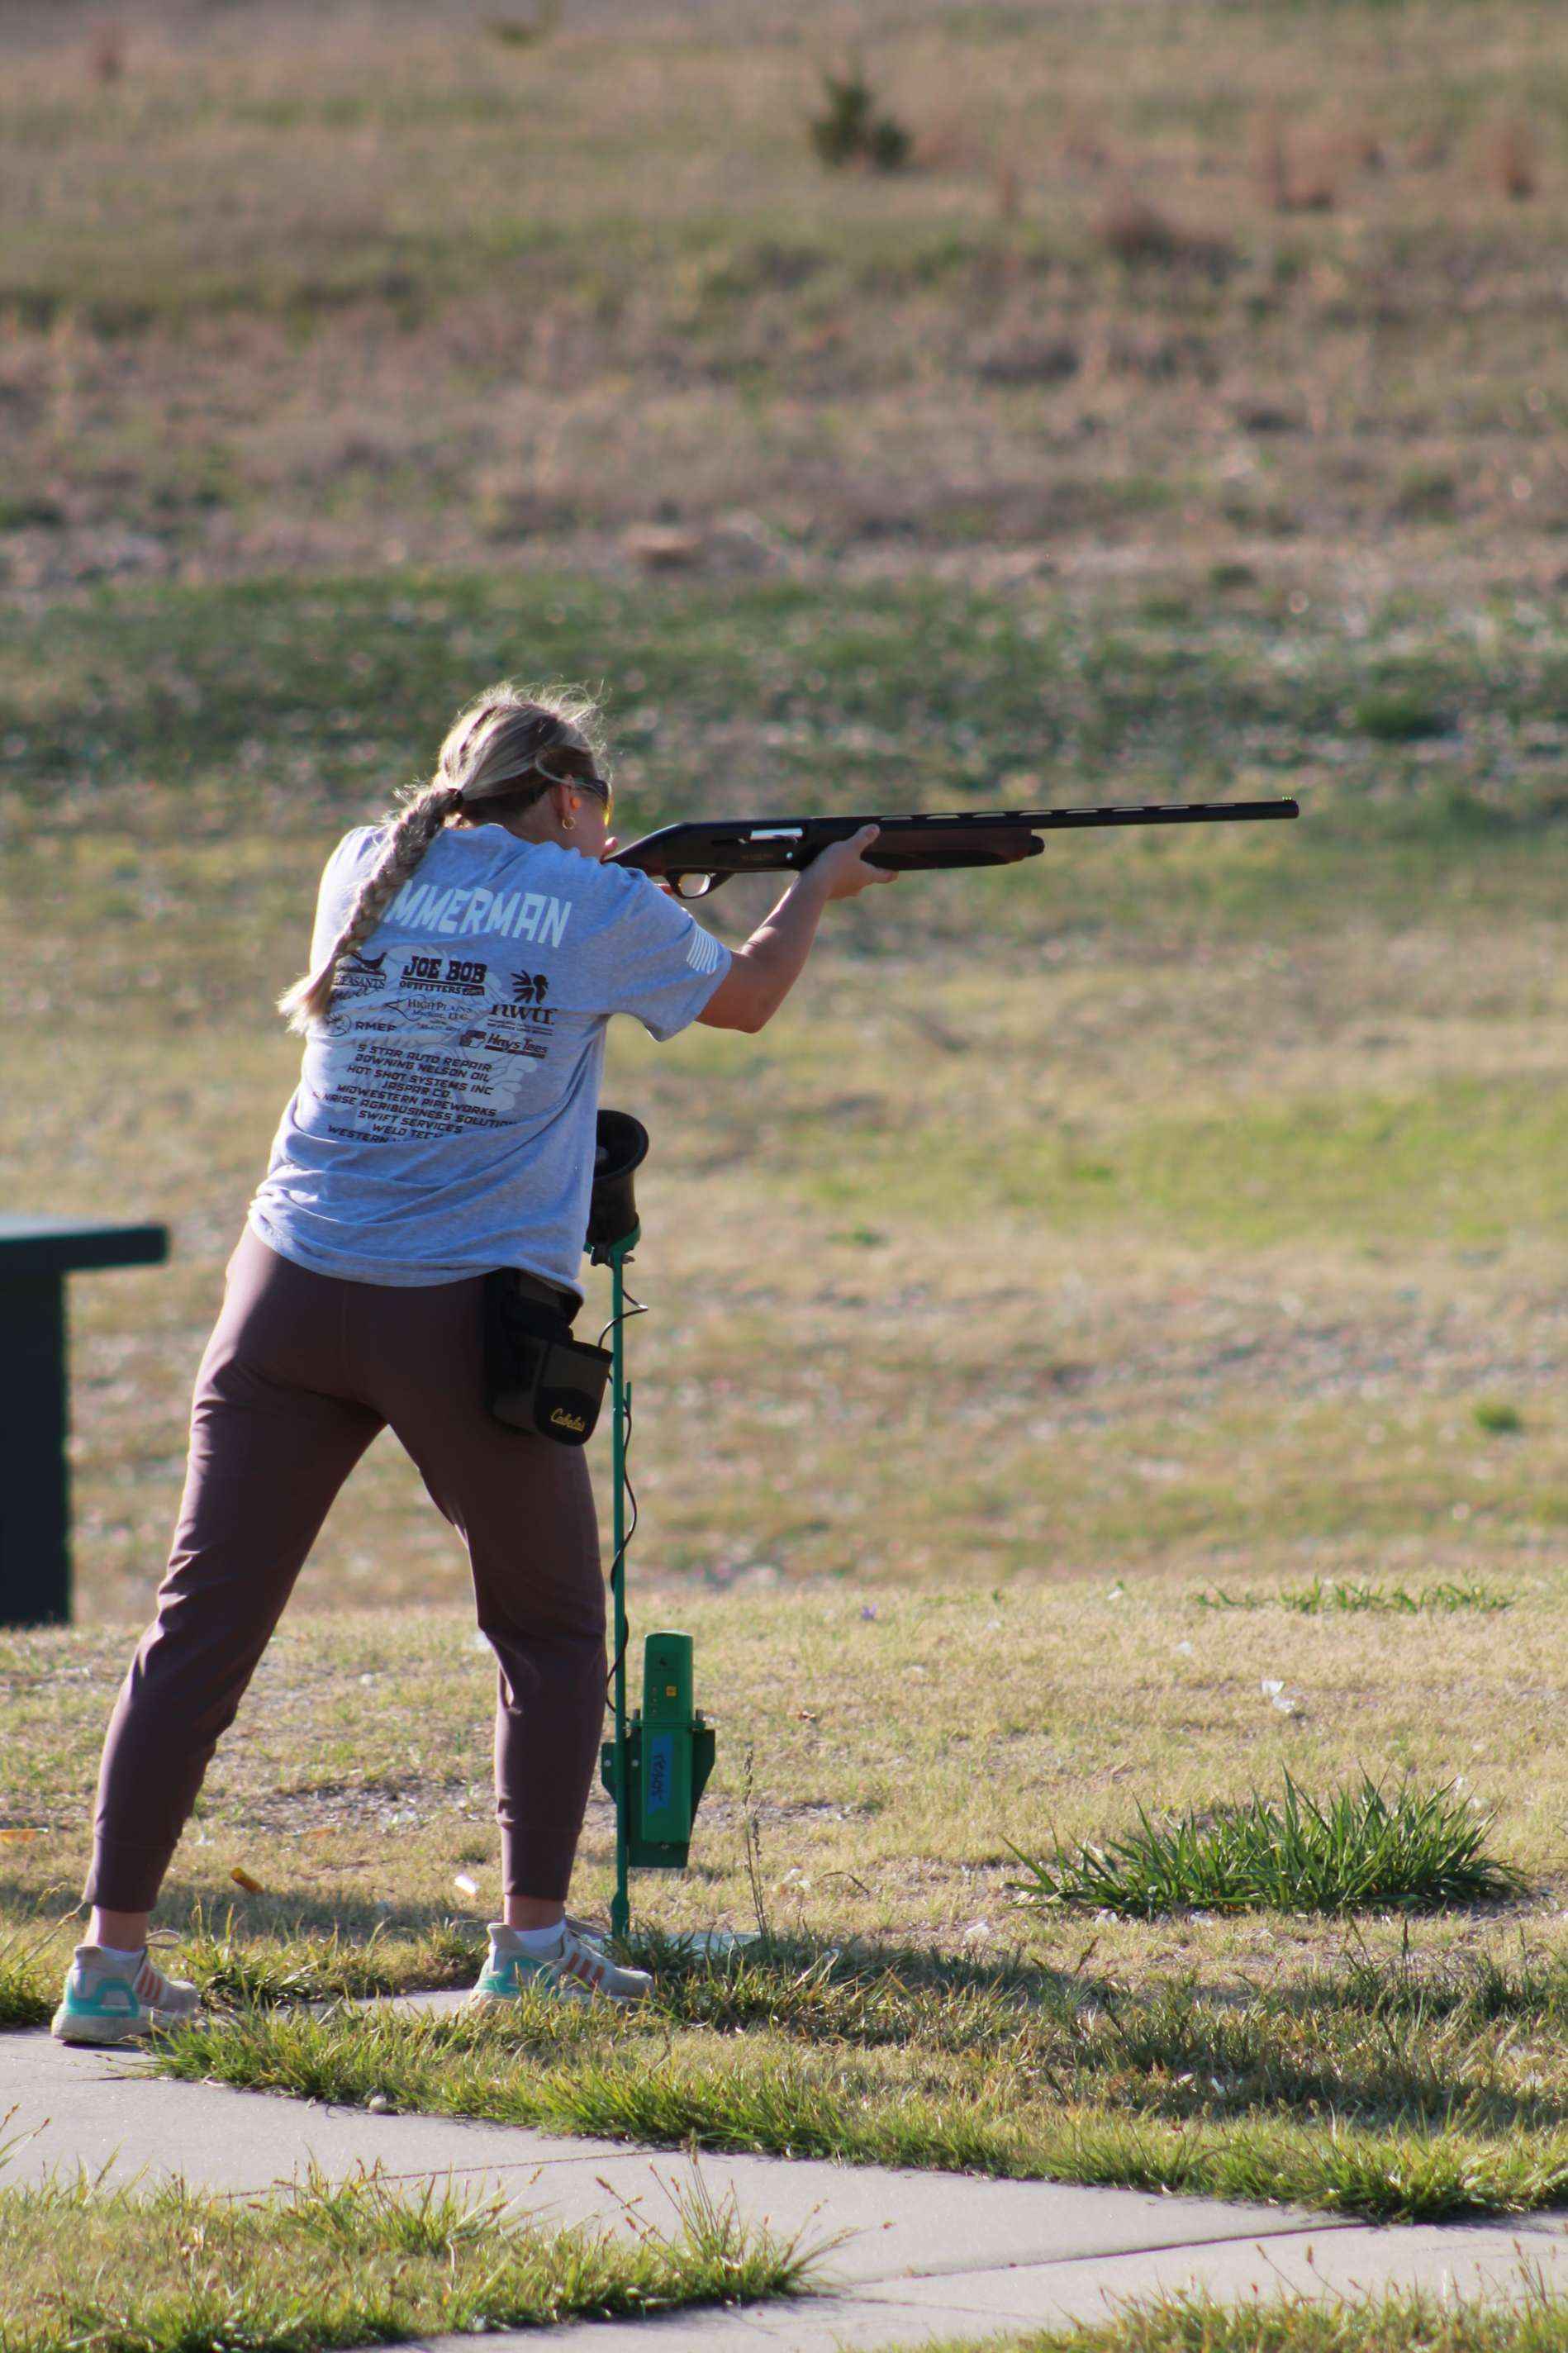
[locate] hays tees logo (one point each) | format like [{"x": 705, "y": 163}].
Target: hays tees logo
[{"x": 529, "y": 987}]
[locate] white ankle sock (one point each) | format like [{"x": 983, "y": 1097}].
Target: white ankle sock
[
  {"x": 122, "y": 1960},
  {"x": 538, "y": 1944}
]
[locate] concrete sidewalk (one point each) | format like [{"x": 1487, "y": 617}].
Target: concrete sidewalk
[{"x": 931, "y": 2256}]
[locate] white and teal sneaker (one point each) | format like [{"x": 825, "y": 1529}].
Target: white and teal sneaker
[
  {"x": 578, "y": 1969},
  {"x": 111, "y": 1999}
]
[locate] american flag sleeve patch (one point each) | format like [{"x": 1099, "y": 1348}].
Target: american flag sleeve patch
[{"x": 704, "y": 953}]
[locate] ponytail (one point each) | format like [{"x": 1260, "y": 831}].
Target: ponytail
[{"x": 420, "y": 821}]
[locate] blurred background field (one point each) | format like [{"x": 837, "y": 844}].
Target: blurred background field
[
  {"x": 351, "y": 284},
  {"x": 1184, "y": 415}
]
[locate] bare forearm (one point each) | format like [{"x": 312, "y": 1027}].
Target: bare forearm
[
  {"x": 763, "y": 972},
  {"x": 774, "y": 956}
]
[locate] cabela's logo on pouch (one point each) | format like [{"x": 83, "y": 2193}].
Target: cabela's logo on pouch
[
  {"x": 565, "y": 1420},
  {"x": 529, "y": 987}
]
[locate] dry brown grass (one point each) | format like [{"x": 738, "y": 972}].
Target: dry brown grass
[
  {"x": 900, "y": 1740},
  {"x": 343, "y": 311},
  {"x": 1292, "y": 173},
  {"x": 1149, "y": 1393}
]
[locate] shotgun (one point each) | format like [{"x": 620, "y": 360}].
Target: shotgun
[{"x": 695, "y": 859}]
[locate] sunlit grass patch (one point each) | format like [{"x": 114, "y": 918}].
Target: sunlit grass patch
[
  {"x": 27, "y": 1988},
  {"x": 170, "y": 2269},
  {"x": 1356, "y": 1851},
  {"x": 234, "y": 1972},
  {"x": 1405, "y": 2322},
  {"x": 1355, "y": 1596},
  {"x": 1379, "y": 2087},
  {"x": 26, "y": 1999}
]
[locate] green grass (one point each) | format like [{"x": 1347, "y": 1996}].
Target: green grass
[
  {"x": 1355, "y": 1851},
  {"x": 1399, "y": 2323},
  {"x": 1377, "y": 2087},
  {"x": 1355, "y": 1598},
  {"x": 313, "y": 702},
  {"x": 173, "y": 2270},
  {"x": 232, "y": 1971}
]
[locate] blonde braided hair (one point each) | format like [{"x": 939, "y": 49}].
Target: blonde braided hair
[{"x": 506, "y": 733}]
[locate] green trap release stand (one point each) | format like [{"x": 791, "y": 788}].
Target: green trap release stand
[{"x": 655, "y": 1765}]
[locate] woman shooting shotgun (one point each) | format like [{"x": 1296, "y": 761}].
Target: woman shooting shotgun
[{"x": 468, "y": 954}]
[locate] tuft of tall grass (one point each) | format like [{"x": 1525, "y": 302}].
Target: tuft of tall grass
[
  {"x": 1357, "y": 1852},
  {"x": 230, "y": 1973},
  {"x": 356, "y": 2263},
  {"x": 1325, "y": 1595},
  {"x": 1405, "y": 2321},
  {"x": 27, "y": 1990}
]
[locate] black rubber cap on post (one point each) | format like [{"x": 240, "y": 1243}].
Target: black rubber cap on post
[{"x": 620, "y": 1150}]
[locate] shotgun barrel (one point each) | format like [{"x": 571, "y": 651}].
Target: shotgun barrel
[{"x": 694, "y": 859}]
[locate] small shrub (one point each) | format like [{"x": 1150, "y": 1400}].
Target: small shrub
[
  {"x": 1425, "y": 494},
  {"x": 1501, "y": 1420},
  {"x": 850, "y": 130},
  {"x": 1399, "y": 714},
  {"x": 1137, "y": 231},
  {"x": 1356, "y": 1852},
  {"x": 518, "y": 32}
]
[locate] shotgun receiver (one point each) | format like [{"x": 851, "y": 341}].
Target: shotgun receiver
[{"x": 695, "y": 859}]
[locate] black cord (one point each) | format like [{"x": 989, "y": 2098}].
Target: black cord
[
  {"x": 633, "y": 1307},
  {"x": 617, "y": 1566}
]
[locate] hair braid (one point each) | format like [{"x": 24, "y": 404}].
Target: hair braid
[
  {"x": 495, "y": 743},
  {"x": 421, "y": 819}
]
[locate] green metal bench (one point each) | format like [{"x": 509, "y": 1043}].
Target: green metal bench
[{"x": 35, "y": 1256}]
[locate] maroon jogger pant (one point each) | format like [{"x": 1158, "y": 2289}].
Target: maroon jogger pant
[{"x": 301, "y": 1372}]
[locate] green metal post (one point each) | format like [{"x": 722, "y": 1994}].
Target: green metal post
[{"x": 620, "y": 1392}]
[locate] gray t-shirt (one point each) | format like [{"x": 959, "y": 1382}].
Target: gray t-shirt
[{"x": 444, "y": 1122}]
